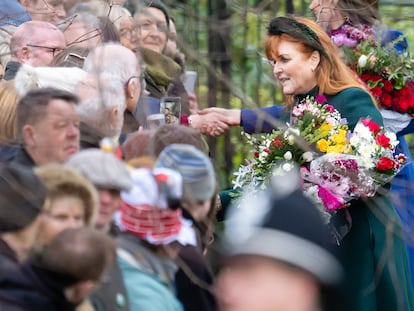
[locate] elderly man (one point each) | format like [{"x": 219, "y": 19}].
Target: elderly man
[
  {"x": 48, "y": 126},
  {"x": 51, "y": 11},
  {"x": 117, "y": 60},
  {"x": 35, "y": 43},
  {"x": 101, "y": 108}
]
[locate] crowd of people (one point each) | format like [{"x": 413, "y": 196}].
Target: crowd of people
[{"x": 99, "y": 212}]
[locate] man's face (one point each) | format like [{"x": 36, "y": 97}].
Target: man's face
[
  {"x": 45, "y": 44},
  {"x": 277, "y": 286},
  {"x": 55, "y": 137},
  {"x": 109, "y": 203},
  {"x": 51, "y": 11}
]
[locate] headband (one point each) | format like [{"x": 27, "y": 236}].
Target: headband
[{"x": 290, "y": 26}]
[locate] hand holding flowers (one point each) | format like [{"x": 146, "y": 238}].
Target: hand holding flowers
[{"x": 337, "y": 166}]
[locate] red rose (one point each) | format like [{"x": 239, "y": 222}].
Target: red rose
[
  {"x": 376, "y": 91},
  {"x": 276, "y": 143},
  {"x": 267, "y": 150},
  {"x": 375, "y": 78},
  {"x": 256, "y": 154},
  {"x": 385, "y": 164},
  {"x": 365, "y": 77},
  {"x": 388, "y": 87},
  {"x": 383, "y": 141},
  {"x": 373, "y": 127},
  {"x": 386, "y": 100},
  {"x": 402, "y": 105}
]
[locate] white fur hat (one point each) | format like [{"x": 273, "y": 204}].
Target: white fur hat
[{"x": 63, "y": 78}]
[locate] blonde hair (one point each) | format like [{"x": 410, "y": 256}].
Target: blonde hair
[
  {"x": 8, "y": 115},
  {"x": 61, "y": 181},
  {"x": 332, "y": 74}
]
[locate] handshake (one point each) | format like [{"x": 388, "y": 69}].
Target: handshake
[{"x": 214, "y": 121}]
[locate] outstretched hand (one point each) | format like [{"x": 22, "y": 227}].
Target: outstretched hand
[{"x": 215, "y": 121}]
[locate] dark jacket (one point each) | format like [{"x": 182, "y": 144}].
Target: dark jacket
[
  {"x": 31, "y": 288},
  {"x": 23, "y": 158},
  {"x": 111, "y": 294},
  {"x": 195, "y": 292},
  {"x": 8, "y": 258}
]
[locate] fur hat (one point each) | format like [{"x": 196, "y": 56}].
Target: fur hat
[
  {"x": 283, "y": 218},
  {"x": 62, "y": 78},
  {"x": 150, "y": 209},
  {"x": 103, "y": 169},
  {"x": 22, "y": 195},
  {"x": 195, "y": 167},
  {"x": 61, "y": 181}
]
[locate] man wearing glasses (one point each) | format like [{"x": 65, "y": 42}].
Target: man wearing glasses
[{"x": 35, "y": 43}]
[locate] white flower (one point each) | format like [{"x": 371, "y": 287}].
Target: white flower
[
  {"x": 288, "y": 155},
  {"x": 308, "y": 156},
  {"x": 287, "y": 167},
  {"x": 362, "y": 61},
  {"x": 291, "y": 134}
]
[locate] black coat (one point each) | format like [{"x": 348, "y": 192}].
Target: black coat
[
  {"x": 32, "y": 288},
  {"x": 194, "y": 292}
]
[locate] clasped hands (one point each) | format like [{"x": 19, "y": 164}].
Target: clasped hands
[{"x": 215, "y": 121}]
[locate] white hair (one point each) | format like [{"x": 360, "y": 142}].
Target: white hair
[
  {"x": 112, "y": 58},
  {"x": 98, "y": 98},
  {"x": 62, "y": 78}
]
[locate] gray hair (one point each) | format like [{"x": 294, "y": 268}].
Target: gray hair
[
  {"x": 112, "y": 58},
  {"x": 98, "y": 97}
]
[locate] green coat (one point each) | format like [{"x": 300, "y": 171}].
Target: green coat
[{"x": 373, "y": 253}]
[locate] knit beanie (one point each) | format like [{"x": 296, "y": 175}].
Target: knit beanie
[
  {"x": 103, "y": 169},
  {"x": 22, "y": 195},
  {"x": 196, "y": 168},
  {"x": 283, "y": 218},
  {"x": 150, "y": 209}
]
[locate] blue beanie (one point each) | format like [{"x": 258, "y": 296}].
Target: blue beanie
[{"x": 194, "y": 166}]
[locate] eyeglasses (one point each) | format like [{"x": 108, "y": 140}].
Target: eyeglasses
[
  {"x": 52, "y": 50},
  {"x": 141, "y": 79},
  {"x": 150, "y": 26}
]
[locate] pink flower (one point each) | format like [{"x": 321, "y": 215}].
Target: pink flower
[
  {"x": 320, "y": 99},
  {"x": 331, "y": 202}
]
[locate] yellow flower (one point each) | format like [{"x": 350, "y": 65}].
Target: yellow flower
[
  {"x": 325, "y": 129},
  {"x": 336, "y": 149},
  {"x": 322, "y": 145},
  {"x": 339, "y": 138}
]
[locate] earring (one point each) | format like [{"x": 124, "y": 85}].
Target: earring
[{"x": 313, "y": 69}]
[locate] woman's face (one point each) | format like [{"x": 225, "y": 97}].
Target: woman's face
[
  {"x": 128, "y": 34},
  {"x": 152, "y": 30},
  {"x": 294, "y": 69},
  {"x": 65, "y": 212}
]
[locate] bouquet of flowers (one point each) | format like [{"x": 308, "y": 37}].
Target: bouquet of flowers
[
  {"x": 336, "y": 165},
  {"x": 387, "y": 74}
]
